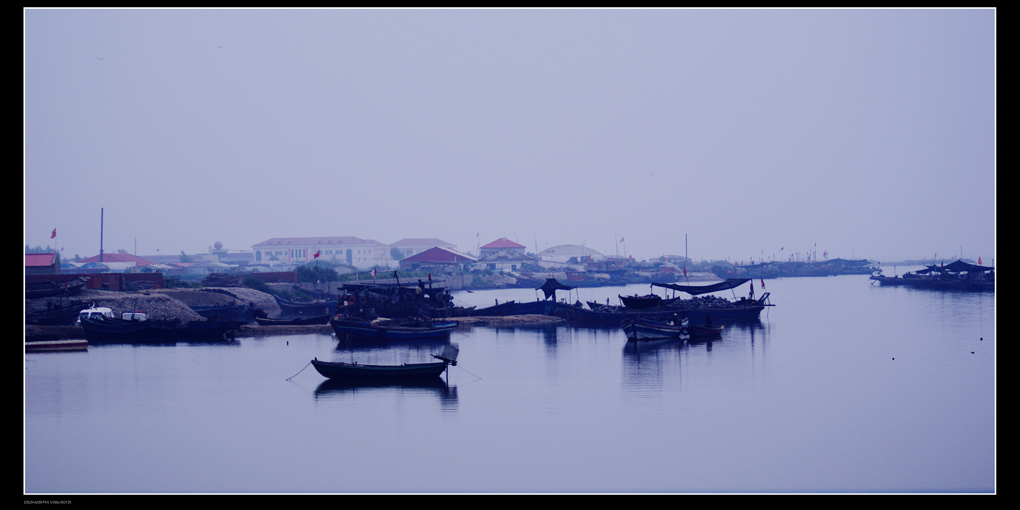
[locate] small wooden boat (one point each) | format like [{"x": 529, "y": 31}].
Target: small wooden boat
[
  {"x": 641, "y": 302},
  {"x": 58, "y": 286},
  {"x": 296, "y": 321},
  {"x": 386, "y": 329},
  {"x": 638, "y": 328},
  {"x": 316, "y": 308},
  {"x": 339, "y": 370},
  {"x": 54, "y": 316},
  {"x": 408, "y": 371},
  {"x": 57, "y": 345},
  {"x": 704, "y": 331}
]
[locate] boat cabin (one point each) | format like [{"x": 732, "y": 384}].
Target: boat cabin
[{"x": 95, "y": 313}]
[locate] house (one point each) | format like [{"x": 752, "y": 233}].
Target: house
[
  {"x": 409, "y": 247},
  {"x": 118, "y": 261},
  {"x": 565, "y": 252},
  {"x": 437, "y": 258},
  {"x": 507, "y": 259},
  {"x": 42, "y": 263},
  {"x": 501, "y": 244},
  {"x": 361, "y": 253}
]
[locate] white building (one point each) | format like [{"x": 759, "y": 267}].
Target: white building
[{"x": 361, "y": 253}]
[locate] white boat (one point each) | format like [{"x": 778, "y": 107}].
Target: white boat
[{"x": 95, "y": 312}]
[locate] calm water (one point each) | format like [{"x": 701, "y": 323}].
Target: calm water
[{"x": 842, "y": 387}]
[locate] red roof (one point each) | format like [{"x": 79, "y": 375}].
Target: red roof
[
  {"x": 118, "y": 257},
  {"x": 438, "y": 254},
  {"x": 38, "y": 259},
  {"x": 503, "y": 243}
]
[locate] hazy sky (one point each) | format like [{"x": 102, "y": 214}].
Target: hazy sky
[{"x": 863, "y": 133}]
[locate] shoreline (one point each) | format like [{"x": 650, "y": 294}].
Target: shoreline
[{"x": 35, "y": 333}]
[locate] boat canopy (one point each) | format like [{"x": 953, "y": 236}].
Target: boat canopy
[
  {"x": 551, "y": 285},
  {"x": 695, "y": 290},
  {"x": 960, "y": 266}
]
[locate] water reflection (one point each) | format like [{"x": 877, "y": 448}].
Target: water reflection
[{"x": 332, "y": 390}]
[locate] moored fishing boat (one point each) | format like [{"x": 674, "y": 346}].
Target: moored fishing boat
[
  {"x": 111, "y": 330},
  {"x": 387, "y": 329},
  {"x": 638, "y": 328},
  {"x": 641, "y": 302},
  {"x": 407, "y": 371},
  {"x": 703, "y": 331},
  {"x": 956, "y": 276},
  {"x": 296, "y": 321},
  {"x": 315, "y": 308}
]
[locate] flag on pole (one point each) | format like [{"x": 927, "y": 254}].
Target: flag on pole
[
  {"x": 763, "y": 283},
  {"x": 316, "y": 255},
  {"x": 54, "y": 234},
  {"x": 979, "y": 261}
]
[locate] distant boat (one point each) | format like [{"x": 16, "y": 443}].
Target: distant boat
[
  {"x": 296, "y": 321},
  {"x": 956, "y": 276},
  {"x": 292, "y": 307},
  {"x": 831, "y": 267},
  {"x": 386, "y": 329}
]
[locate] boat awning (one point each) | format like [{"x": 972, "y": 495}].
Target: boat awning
[
  {"x": 551, "y": 285},
  {"x": 960, "y": 266},
  {"x": 695, "y": 290}
]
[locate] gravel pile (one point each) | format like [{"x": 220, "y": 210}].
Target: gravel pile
[{"x": 162, "y": 304}]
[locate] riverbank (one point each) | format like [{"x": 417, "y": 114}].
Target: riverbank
[{"x": 35, "y": 333}]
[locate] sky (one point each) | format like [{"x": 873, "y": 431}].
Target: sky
[{"x": 733, "y": 134}]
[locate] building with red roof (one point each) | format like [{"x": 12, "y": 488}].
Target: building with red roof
[
  {"x": 438, "y": 258},
  {"x": 118, "y": 261},
  {"x": 501, "y": 244},
  {"x": 42, "y": 263}
]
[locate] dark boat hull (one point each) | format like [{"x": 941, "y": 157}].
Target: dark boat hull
[
  {"x": 57, "y": 345},
  {"x": 154, "y": 331},
  {"x": 750, "y": 310},
  {"x": 639, "y": 329},
  {"x": 356, "y": 372},
  {"x": 297, "y": 321},
  {"x": 315, "y": 308},
  {"x": 703, "y": 332},
  {"x": 400, "y": 331}
]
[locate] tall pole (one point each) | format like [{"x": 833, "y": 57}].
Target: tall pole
[{"x": 100, "y": 235}]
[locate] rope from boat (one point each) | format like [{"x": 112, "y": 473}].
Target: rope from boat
[{"x": 299, "y": 371}]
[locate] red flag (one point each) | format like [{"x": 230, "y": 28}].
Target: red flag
[
  {"x": 685, "y": 270},
  {"x": 316, "y": 255},
  {"x": 54, "y": 234},
  {"x": 763, "y": 283},
  {"x": 979, "y": 261}
]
